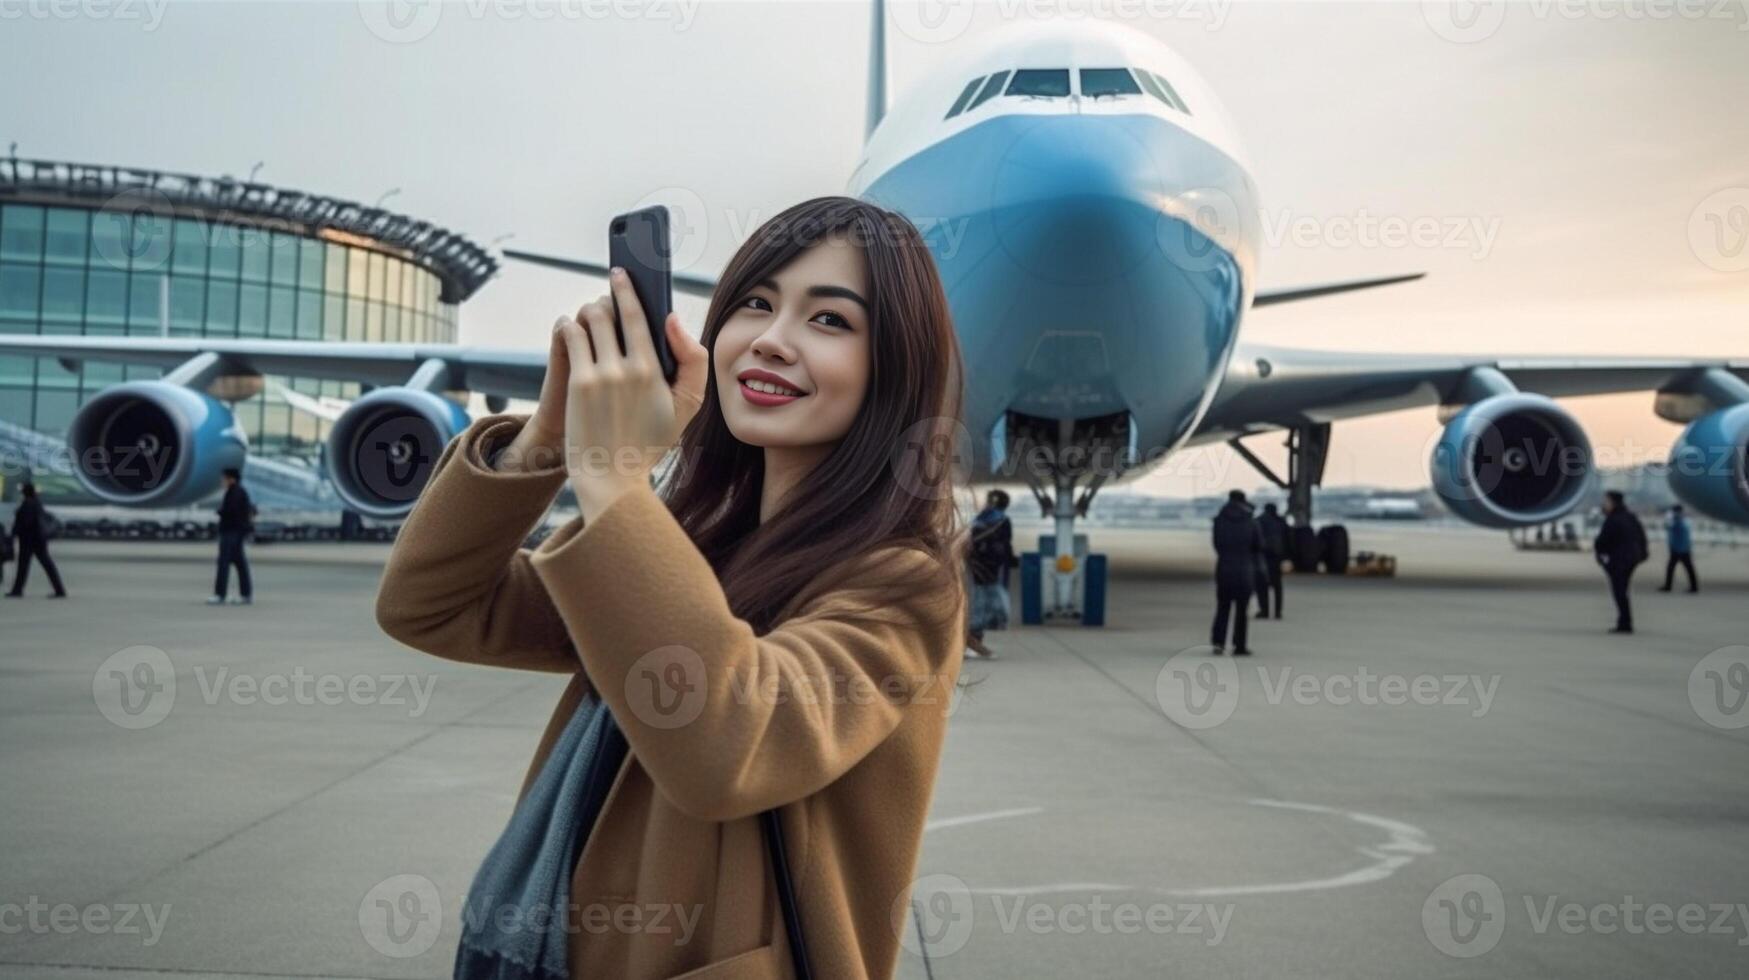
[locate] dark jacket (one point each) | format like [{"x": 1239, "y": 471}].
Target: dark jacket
[
  {"x": 1238, "y": 545},
  {"x": 1274, "y": 534},
  {"x": 1621, "y": 543},
  {"x": 992, "y": 549},
  {"x": 27, "y": 520},
  {"x": 236, "y": 512}
]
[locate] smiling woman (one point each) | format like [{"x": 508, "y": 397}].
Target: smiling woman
[
  {"x": 777, "y": 627},
  {"x": 839, "y": 300}
]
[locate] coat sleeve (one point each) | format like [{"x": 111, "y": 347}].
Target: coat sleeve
[
  {"x": 458, "y": 583},
  {"x": 727, "y": 722}
]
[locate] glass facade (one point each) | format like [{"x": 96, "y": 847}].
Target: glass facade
[{"x": 79, "y": 271}]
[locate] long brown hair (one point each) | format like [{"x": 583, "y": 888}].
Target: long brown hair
[{"x": 883, "y": 482}]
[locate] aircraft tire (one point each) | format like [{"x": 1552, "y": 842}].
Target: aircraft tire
[{"x": 1334, "y": 538}]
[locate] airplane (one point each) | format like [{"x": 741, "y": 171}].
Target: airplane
[{"x": 1095, "y": 222}]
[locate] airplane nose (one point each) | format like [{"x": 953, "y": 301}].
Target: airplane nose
[{"x": 1075, "y": 203}]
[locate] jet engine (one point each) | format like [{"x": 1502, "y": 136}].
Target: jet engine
[
  {"x": 1511, "y": 460},
  {"x": 154, "y": 444},
  {"x": 385, "y": 446},
  {"x": 1709, "y": 465}
]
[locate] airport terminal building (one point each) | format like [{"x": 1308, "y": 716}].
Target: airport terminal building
[{"x": 116, "y": 251}]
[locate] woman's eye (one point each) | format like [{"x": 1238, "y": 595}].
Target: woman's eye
[{"x": 831, "y": 318}]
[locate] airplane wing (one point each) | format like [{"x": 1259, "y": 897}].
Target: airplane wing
[
  {"x": 172, "y": 447},
  {"x": 684, "y": 282},
  {"x": 1291, "y": 294},
  {"x": 1268, "y": 387},
  {"x": 1508, "y": 455},
  {"x": 491, "y": 371}
]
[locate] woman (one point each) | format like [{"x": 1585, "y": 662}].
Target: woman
[{"x": 778, "y": 626}]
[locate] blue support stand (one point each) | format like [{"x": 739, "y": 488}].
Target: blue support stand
[
  {"x": 1092, "y": 588},
  {"x": 1031, "y": 589},
  {"x": 1093, "y": 592}
]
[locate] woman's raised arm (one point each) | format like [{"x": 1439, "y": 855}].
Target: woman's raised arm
[{"x": 458, "y": 583}]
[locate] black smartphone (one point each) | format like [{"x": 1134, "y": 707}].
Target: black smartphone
[{"x": 637, "y": 242}]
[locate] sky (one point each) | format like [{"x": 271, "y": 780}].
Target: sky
[{"x": 1578, "y": 171}]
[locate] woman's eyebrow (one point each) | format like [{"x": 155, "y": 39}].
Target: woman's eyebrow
[{"x": 838, "y": 291}]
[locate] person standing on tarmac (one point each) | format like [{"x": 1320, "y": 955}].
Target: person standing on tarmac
[
  {"x": 236, "y": 519},
  {"x": 1238, "y": 543},
  {"x": 990, "y": 556},
  {"x": 1620, "y": 547},
  {"x": 1274, "y": 551},
  {"x": 1681, "y": 543}
]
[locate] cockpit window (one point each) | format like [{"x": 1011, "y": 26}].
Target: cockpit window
[
  {"x": 1108, "y": 81},
  {"x": 1172, "y": 98},
  {"x": 959, "y": 104},
  {"x": 991, "y": 87},
  {"x": 1043, "y": 82},
  {"x": 1153, "y": 87}
]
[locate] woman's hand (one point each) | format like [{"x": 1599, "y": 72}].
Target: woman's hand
[
  {"x": 542, "y": 438},
  {"x": 620, "y": 415}
]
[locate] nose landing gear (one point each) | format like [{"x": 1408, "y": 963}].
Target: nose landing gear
[{"x": 1064, "y": 581}]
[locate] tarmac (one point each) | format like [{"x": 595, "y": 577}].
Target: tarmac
[{"x": 1451, "y": 773}]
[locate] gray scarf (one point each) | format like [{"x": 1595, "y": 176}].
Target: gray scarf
[{"x": 515, "y": 921}]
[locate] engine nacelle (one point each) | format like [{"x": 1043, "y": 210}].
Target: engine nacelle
[
  {"x": 385, "y": 446},
  {"x": 1709, "y": 465},
  {"x": 1512, "y": 460},
  {"x": 154, "y": 444}
]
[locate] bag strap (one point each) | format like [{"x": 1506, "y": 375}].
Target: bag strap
[{"x": 792, "y": 919}]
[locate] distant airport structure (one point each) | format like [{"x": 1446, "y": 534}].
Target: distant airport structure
[{"x": 91, "y": 250}]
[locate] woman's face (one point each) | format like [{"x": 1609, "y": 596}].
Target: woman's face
[{"x": 807, "y": 325}]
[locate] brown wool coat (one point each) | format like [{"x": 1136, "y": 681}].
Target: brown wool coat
[{"x": 837, "y": 715}]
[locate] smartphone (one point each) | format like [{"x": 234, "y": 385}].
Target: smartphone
[{"x": 637, "y": 242}]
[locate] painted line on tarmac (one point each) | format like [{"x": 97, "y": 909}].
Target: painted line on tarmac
[
  {"x": 1025, "y": 811},
  {"x": 1405, "y": 842}
]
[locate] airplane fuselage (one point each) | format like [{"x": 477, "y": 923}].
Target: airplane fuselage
[{"x": 1098, "y": 253}]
